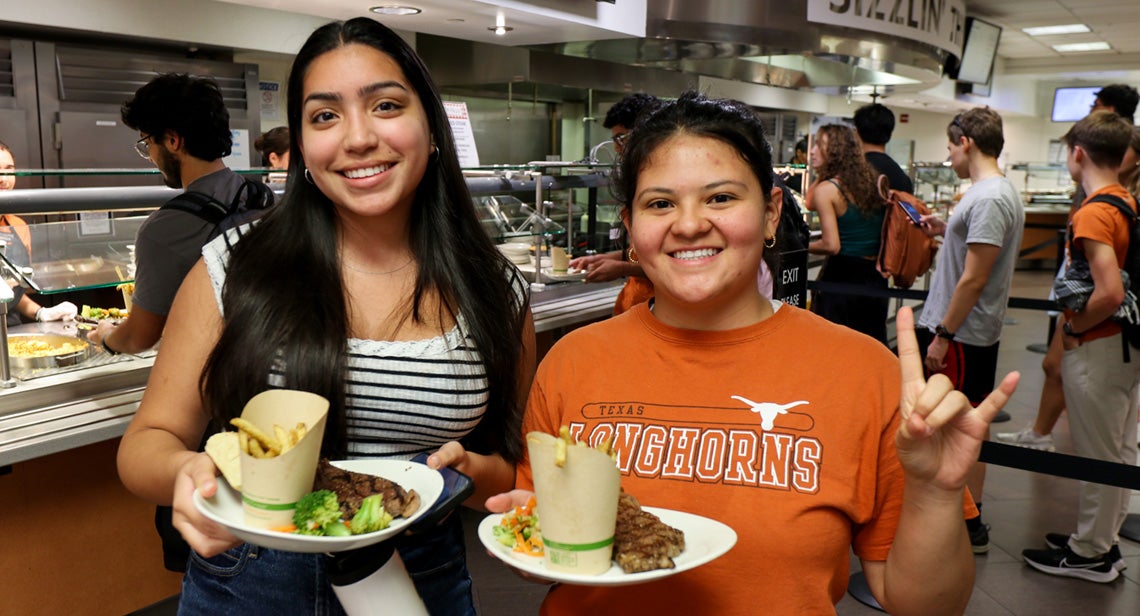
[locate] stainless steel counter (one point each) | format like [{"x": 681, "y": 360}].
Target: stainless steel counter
[{"x": 95, "y": 402}]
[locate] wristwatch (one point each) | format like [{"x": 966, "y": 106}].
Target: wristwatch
[
  {"x": 941, "y": 331},
  {"x": 1067, "y": 328}
]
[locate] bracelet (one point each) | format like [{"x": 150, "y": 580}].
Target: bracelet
[
  {"x": 38, "y": 311},
  {"x": 106, "y": 348}
]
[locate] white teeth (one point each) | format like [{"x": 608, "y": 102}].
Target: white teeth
[
  {"x": 695, "y": 254},
  {"x": 356, "y": 174}
]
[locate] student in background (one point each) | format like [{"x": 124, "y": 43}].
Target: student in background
[
  {"x": 960, "y": 326},
  {"x": 621, "y": 119},
  {"x": 1101, "y": 390},
  {"x": 274, "y": 147},
  {"x": 795, "y": 181},
  {"x": 17, "y": 241},
  {"x": 846, "y": 199},
  {"x": 874, "y": 125}
]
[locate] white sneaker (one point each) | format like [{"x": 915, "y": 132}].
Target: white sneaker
[{"x": 1026, "y": 438}]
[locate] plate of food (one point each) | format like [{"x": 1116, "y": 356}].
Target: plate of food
[
  {"x": 408, "y": 490},
  {"x": 684, "y": 540}
]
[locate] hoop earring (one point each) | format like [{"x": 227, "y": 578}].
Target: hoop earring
[
  {"x": 770, "y": 242},
  {"x": 308, "y": 176},
  {"x": 434, "y": 151},
  {"x": 632, "y": 254}
]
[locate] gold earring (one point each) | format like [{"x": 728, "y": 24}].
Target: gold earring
[
  {"x": 632, "y": 254},
  {"x": 770, "y": 242}
]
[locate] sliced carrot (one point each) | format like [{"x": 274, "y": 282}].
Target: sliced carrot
[{"x": 288, "y": 528}]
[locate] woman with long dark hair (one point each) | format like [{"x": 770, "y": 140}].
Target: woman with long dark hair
[
  {"x": 353, "y": 287},
  {"x": 850, "y": 211}
]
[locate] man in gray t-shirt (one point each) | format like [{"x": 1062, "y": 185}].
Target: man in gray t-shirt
[
  {"x": 961, "y": 320},
  {"x": 990, "y": 217},
  {"x": 184, "y": 130}
]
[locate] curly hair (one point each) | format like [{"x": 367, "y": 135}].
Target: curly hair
[{"x": 843, "y": 161}]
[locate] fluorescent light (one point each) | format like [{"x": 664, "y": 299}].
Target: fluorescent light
[
  {"x": 1051, "y": 30},
  {"x": 1070, "y": 47},
  {"x": 395, "y": 9}
]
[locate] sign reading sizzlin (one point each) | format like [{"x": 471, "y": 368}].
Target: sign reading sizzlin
[{"x": 939, "y": 23}]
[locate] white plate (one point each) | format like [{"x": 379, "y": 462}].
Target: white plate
[
  {"x": 225, "y": 509},
  {"x": 705, "y": 541},
  {"x": 567, "y": 276}
]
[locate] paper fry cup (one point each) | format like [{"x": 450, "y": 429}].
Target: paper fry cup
[
  {"x": 271, "y": 487},
  {"x": 577, "y": 505}
]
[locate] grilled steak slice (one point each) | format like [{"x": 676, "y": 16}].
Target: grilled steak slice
[
  {"x": 642, "y": 542},
  {"x": 351, "y": 488}
]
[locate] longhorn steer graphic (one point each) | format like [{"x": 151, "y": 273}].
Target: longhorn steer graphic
[{"x": 768, "y": 410}]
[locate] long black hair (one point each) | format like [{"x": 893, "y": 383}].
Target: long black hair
[
  {"x": 284, "y": 300},
  {"x": 729, "y": 121}
]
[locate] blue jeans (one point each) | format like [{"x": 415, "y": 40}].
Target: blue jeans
[{"x": 250, "y": 580}]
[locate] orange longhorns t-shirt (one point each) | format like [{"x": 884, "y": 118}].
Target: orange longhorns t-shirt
[{"x": 784, "y": 430}]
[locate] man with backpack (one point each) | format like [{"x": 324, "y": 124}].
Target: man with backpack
[
  {"x": 962, "y": 318},
  {"x": 1102, "y": 388},
  {"x": 184, "y": 130}
]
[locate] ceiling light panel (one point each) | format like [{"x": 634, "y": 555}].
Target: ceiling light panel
[
  {"x": 395, "y": 9},
  {"x": 1053, "y": 30},
  {"x": 1075, "y": 47}
]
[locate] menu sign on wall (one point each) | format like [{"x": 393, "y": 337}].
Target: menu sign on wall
[
  {"x": 462, "y": 133},
  {"x": 939, "y": 23}
]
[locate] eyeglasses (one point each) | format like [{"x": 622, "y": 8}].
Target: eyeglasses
[{"x": 142, "y": 148}]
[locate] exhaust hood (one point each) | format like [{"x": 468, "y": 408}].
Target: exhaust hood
[{"x": 773, "y": 42}]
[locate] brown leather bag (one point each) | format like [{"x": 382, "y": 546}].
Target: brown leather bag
[{"x": 906, "y": 251}]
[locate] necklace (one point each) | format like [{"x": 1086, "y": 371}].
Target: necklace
[{"x": 371, "y": 273}]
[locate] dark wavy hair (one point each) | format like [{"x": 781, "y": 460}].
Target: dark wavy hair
[
  {"x": 729, "y": 121},
  {"x": 626, "y": 111},
  {"x": 190, "y": 106},
  {"x": 284, "y": 292},
  {"x": 844, "y": 161},
  {"x": 275, "y": 141}
]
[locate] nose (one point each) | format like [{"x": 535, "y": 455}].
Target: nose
[
  {"x": 692, "y": 221},
  {"x": 360, "y": 133}
]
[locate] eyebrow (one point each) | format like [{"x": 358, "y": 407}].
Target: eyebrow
[
  {"x": 709, "y": 186},
  {"x": 371, "y": 88}
]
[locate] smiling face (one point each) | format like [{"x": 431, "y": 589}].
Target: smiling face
[
  {"x": 698, "y": 221},
  {"x": 7, "y": 163},
  {"x": 364, "y": 133}
]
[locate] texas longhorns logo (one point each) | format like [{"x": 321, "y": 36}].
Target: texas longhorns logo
[{"x": 769, "y": 410}]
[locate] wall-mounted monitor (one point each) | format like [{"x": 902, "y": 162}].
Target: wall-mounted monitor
[
  {"x": 1073, "y": 104},
  {"x": 978, "y": 53}
]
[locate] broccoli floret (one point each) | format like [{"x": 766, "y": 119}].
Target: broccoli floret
[
  {"x": 316, "y": 510},
  {"x": 371, "y": 516}
]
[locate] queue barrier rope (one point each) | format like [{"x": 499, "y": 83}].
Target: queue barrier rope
[{"x": 1011, "y": 456}]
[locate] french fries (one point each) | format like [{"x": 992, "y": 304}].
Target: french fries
[
  {"x": 564, "y": 440},
  {"x": 255, "y": 442}
]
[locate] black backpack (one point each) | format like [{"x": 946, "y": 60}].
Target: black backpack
[
  {"x": 257, "y": 198},
  {"x": 1130, "y": 324}
]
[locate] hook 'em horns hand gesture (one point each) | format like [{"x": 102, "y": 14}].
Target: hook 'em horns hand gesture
[{"x": 940, "y": 433}]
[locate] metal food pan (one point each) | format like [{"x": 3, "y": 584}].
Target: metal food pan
[{"x": 60, "y": 360}]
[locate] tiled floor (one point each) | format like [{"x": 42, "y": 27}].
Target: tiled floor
[{"x": 1020, "y": 506}]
